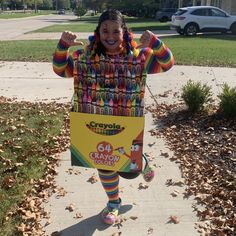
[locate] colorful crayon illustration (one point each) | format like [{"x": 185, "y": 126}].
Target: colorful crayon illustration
[
  {"x": 115, "y": 107},
  {"x": 136, "y": 151},
  {"x": 106, "y": 107},
  {"x": 110, "y": 107},
  {"x": 102, "y": 107},
  {"x": 110, "y": 87},
  {"x": 128, "y": 108},
  {"x": 93, "y": 105},
  {"x": 89, "y": 105},
  {"x": 84, "y": 106}
]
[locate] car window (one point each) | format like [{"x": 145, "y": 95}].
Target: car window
[
  {"x": 200, "y": 12},
  {"x": 216, "y": 12},
  {"x": 180, "y": 12}
]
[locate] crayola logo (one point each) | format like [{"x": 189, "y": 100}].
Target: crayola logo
[{"x": 104, "y": 128}]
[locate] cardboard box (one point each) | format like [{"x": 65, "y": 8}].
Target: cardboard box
[{"x": 106, "y": 142}]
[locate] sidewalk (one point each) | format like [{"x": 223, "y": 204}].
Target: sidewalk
[{"x": 144, "y": 211}]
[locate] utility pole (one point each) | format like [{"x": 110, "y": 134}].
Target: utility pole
[
  {"x": 180, "y": 4},
  {"x": 35, "y": 6}
]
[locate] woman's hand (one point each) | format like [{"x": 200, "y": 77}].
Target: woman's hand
[
  {"x": 70, "y": 38},
  {"x": 145, "y": 39}
]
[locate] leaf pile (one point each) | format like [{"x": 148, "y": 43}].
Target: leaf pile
[
  {"x": 31, "y": 136},
  {"x": 204, "y": 145}
]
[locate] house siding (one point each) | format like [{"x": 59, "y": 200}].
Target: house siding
[
  {"x": 227, "y": 5},
  {"x": 233, "y": 7}
]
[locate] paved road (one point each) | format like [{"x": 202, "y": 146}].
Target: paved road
[
  {"x": 16, "y": 29},
  {"x": 13, "y": 28}
]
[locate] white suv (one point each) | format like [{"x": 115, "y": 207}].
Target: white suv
[{"x": 191, "y": 20}]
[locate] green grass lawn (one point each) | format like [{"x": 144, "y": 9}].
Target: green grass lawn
[
  {"x": 28, "y": 136},
  {"x": 214, "y": 50},
  {"x": 12, "y": 15},
  {"x": 90, "y": 26}
]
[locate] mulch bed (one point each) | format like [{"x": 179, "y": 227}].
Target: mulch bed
[{"x": 204, "y": 145}]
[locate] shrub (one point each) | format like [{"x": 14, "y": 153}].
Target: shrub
[
  {"x": 196, "y": 95},
  {"x": 228, "y": 101},
  {"x": 80, "y": 11}
]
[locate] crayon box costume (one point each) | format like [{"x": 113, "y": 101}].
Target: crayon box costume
[{"x": 107, "y": 121}]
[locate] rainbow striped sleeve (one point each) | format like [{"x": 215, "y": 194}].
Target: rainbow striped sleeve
[
  {"x": 62, "y": 61},
  {"x": 158, "y": 57}
]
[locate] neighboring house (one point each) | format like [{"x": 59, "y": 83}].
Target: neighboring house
[{"x": 227, "y": 5}]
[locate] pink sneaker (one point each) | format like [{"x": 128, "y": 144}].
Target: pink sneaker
[
  {"x": 110, "y": 213},
  {"x": 148, "y": 172}
]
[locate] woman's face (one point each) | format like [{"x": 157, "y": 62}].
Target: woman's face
[{"x": 111, "y": 36}]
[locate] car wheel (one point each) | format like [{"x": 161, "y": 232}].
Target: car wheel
[
  {"x": 191, "y": 29},
  {"x": 233, "y": 28}
]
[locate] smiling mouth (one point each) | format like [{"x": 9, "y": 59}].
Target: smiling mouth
[{"x": 111, "y": 42}]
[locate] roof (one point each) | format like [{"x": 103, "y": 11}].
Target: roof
[{"x": 198, "y": 7}]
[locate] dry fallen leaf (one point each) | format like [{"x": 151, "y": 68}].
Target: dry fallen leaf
[
  {"x": 22, "y": 227},
  {"x": 171, "y": 182},
  {"x": 150, "y": 230},
  {"x": 12, "y": 128},
  {"x": 70, "y": 207},
  {"x": 133, "y": 217},
  {"x": 142, "y": 186},
  {"x": 151, "y": 144},
  {"x": 165, "y": 154},
  {"x": 116, "y": 234},
  {"x": 119, "y": 221},
  {"x": 8, "y": 182},
  {"x": 61, "y": 192},
  {"x": 173, "y": 219},
  {"x": 93, "y": 179},
  {"x": 175, "y": 193},
  {"x": 48, "y": 223},
  {"x": 78, "y": 215}
]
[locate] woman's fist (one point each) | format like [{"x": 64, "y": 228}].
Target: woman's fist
[
  {"x": 70, "y": 38},
  {"x": 145, "y": 39}
]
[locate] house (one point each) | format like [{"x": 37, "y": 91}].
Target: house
[{"x": 227, "y": 5}]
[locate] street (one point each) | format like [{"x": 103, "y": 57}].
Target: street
[{"x": 11, "y": 29}]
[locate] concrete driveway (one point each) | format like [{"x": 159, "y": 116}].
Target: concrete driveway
[{"x": 11, "y": 29}]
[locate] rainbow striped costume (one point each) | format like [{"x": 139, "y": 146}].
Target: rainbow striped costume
[
  {"x": 124, "y": 93},
  {"x": 111, "y": 85},
  {"x": 158, "y": 58}
]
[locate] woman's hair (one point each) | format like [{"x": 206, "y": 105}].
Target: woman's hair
[{"x": 96, "y": 47}]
